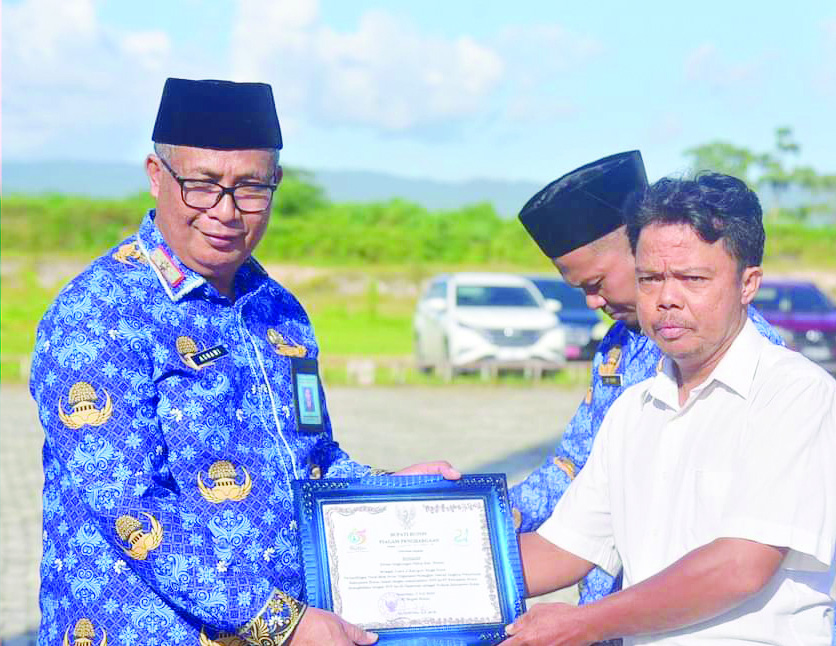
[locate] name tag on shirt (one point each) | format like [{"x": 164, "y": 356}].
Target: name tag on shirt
[
  {"x": 306, "y": 394},
  {"x": 611, "y": 380},
  {"x": 208, "y": 356}
]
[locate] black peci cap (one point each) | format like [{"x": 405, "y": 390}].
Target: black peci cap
[
  {"x": 584, "y": 205},
  {"x": 217, "y": 114}
]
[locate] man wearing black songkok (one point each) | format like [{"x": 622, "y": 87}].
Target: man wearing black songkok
[
  {"x": 578, "y": 222},
  {"x": 168, "y": 378}
]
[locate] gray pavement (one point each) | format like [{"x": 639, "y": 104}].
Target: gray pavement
[{"x": 478, "y": 428}]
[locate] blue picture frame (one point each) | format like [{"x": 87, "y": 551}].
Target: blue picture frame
[{"x": 311, "y": 495}]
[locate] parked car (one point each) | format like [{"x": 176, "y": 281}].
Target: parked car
[
  {"x": 465, "y": 321},
  {"x": 804, "y": 316},
  {"x": 584, "y": 327}
]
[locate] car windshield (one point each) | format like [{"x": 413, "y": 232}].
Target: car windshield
[
  {"x": 494, "y": 296},
  {"x": 570, "y": 297},
  {"x": 791, "y": 298}
]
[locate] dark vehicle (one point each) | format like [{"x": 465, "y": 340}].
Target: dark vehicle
[
  {"x": 804, "y": 316},
  {"x": 584, "y": 328}
]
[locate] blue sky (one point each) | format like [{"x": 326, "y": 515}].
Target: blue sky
[{"x": 447, "y": 90}]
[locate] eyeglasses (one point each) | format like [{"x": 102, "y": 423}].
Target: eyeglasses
[{"x": 205, "y": 194}]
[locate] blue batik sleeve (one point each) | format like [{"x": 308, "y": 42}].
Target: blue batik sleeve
[{"x": 534, "y": 499}]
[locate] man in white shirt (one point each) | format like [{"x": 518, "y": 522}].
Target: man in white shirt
[{"x": 713, "y": 484}]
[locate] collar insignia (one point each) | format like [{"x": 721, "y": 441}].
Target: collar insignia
[
  {"x": 129, "y": 254},
  {"x": 172, "y": 274}
]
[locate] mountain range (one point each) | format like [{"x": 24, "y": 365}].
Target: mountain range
[{"x": 119, "y": 179}]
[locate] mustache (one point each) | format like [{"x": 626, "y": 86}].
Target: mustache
[{"x": 671, "y": 321}]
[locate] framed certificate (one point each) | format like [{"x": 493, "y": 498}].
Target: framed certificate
[{"x": 416, "y": 559}]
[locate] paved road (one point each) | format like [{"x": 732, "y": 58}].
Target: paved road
[{"x": 478, "y": 428}]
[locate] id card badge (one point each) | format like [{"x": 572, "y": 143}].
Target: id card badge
[{"x": 306, "y": 395}]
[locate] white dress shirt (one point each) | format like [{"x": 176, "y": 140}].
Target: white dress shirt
[{"x": 752, "y": 455}]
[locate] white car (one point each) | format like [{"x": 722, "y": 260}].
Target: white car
[{"x": 466, "y": 321}]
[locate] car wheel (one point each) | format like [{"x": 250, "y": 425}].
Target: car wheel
[
  {"x": 445, "y": 368},
  {"x": 421, "y": 363}
]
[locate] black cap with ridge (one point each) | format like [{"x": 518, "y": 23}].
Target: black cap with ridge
[
  {"x": 217, "y": 114},
  {"x": 584, "y": 205}
]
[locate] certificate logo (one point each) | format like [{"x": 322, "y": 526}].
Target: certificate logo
[
  {"x": 356, "y": 539},
  {"x": 406, "y": 516}
]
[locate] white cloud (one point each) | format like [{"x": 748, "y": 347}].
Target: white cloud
[
  {"x": 539, "y": 51},
  {"x": 388, "y": 75},
  {"x": 384, "y": 74},
  {"x": 65, "y": 73},
  {"x": 531, "y": 109},
  {"x": 150, "y": 49},
  {"x": 705, "y": 65}
]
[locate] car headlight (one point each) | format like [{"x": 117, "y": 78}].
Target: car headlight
[{"x": 814, "y": 336}]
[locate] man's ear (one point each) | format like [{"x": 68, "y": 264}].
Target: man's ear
[
  {"x": 750, "y": 283},
  {"x": 277, "y": 176},
  {"x": 153, "y": 168}
]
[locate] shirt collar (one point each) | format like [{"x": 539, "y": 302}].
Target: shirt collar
[
  {"x": 175, "y": 277},
  {"x": 736, "y": 370}
]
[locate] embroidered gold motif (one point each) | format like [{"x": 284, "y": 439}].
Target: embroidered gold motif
[
  {"x": 187, "y": 348},
  {"x": 130, "y": 530},
  {"x": 223, "y": 639},
  {"x": 283, "y": 347},
  {"x": 610, "y": 366},
  {"x": 128, "y": 253},
  {"x": 82, "y": 398},
  {"x": 567, "y": 466},
  {"x": 517, "y": 516},
  {"x": 223, "y": 475},
  {"x": 272, "y": 627},
  {"x": 588, "y": 398},
  {"x": 165, "y": 265},
  {"x": 84, "y": 633},
  {"x": 316, "y": 472}
]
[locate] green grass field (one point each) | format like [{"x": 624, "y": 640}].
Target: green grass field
[
  {"x": 357, "y": 268},
  {"x": 361, "y": 315}
]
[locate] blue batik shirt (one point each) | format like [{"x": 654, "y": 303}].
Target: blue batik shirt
[
  {"x": 624, "y": 357},
  {"x": 170, "y": 444}
]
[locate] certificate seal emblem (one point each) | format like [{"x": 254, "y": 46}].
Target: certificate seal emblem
[{"x": 389, "y": 603}]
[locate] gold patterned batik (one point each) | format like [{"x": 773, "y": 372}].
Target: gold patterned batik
[
  {"x": 276, "y": 622},
  {"x": 82, "y": 398},
  {"x": 84, "y": 634},
  {"x": 130, "y": 530},
  {"x": 225, "y": 488}
]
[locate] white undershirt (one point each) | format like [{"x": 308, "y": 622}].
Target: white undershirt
[{"x": 751, "y": 454}]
